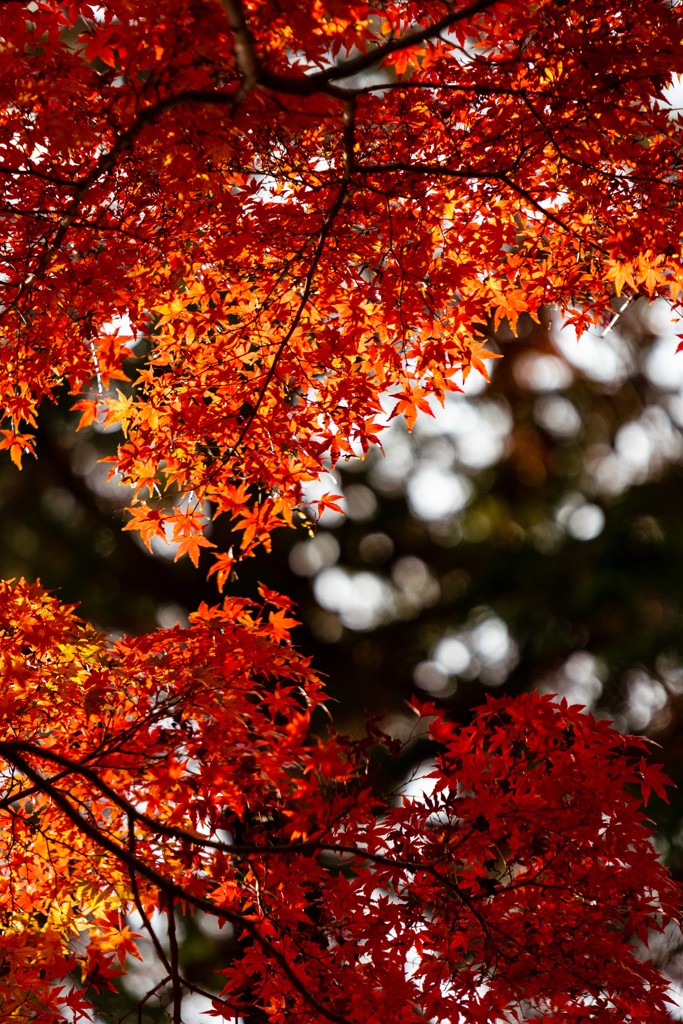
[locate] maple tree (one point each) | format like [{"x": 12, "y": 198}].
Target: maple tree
[
  {"x": 246, "y": 236},
  {"x": 180, "y": 773}
]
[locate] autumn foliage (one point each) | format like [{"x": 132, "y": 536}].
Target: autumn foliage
[
  {"x": 247, "y": 235},
  {"x": 180, "y": 774}
]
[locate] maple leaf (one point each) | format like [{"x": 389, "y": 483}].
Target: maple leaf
[
  {"x": 223, "y": 568},
  {"x": 653, "y": 779},
  {"x": 89, "y": 409},
  {"x": 473, "y": 358},
  {"x": 403, "y": 61},
  {"x": 149, "y": 522},
  {"x": 621, "y": 273},
  {"x": 191, "y": 545},
  {"x": 118, "y": 411},
  {"x": 17, "y": 444},
  {"x": 410, "y": 401}
]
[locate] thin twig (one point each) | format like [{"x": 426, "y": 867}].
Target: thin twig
[{"x": 175, "y": 960}]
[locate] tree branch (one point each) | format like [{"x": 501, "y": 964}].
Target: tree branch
[
  {"x": 245, "y": 51},
  {"x": 175, "y": 960},
  {"x": 322, "y": 81},
  {"x": 172, "y": 890},
  {"x": 296, "y": 319}
]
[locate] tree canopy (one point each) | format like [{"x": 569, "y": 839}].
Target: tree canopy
[
  {"x": 248, "y": 236},
  {"x": 236, "y": 183}
]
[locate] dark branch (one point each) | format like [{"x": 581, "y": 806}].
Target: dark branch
[
  {"x": 322, "y": 80},
  {"x": 172, "y": 890}
]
